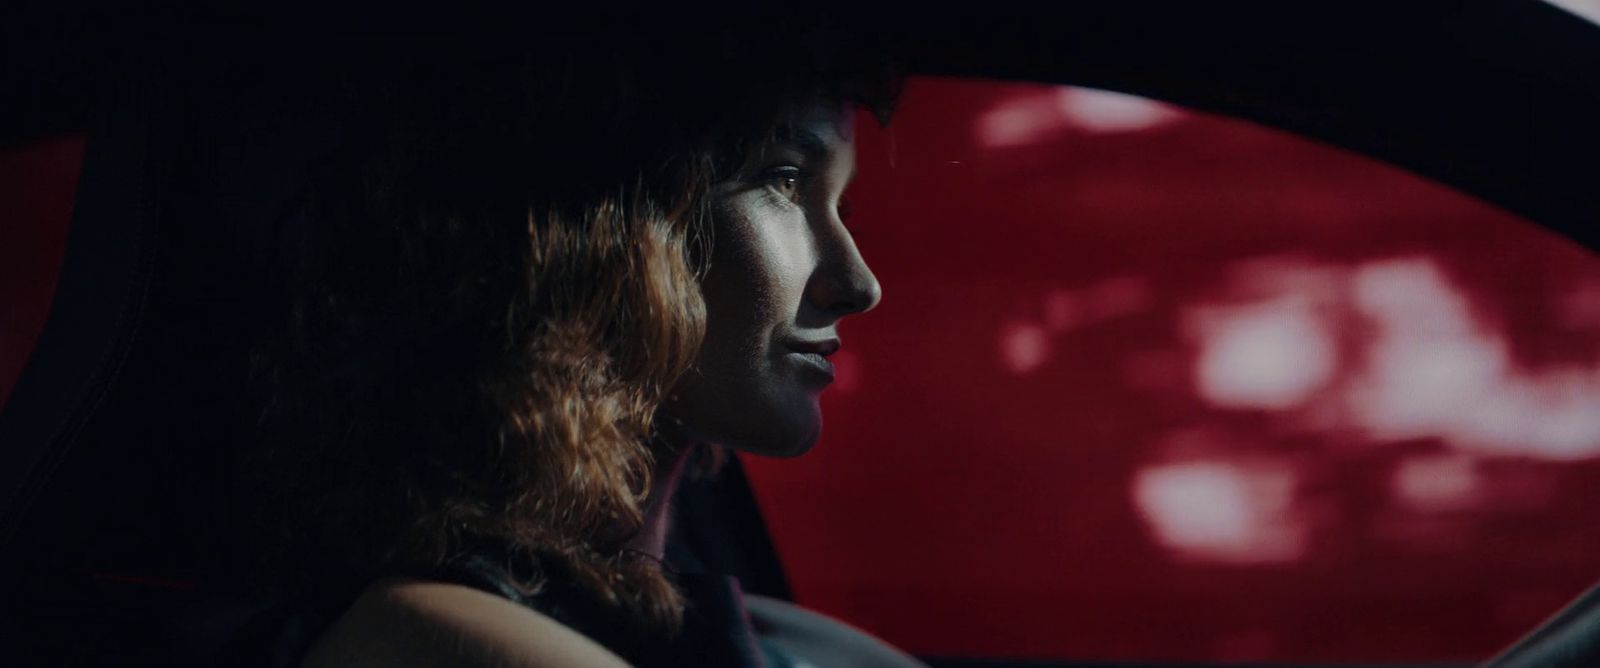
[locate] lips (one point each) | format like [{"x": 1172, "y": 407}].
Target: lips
[
  {"x": 824, "y": 347},
  {"x": 812, "y": 356}
]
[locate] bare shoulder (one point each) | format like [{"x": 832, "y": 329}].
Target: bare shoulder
[
  {"x": 406, "y": 622},
  {"x": 821, "y": 640}
]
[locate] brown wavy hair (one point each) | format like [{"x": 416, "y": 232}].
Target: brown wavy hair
[{"x": 489, "y": 288}]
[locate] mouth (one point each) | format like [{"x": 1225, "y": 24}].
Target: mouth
[
  {"x": 821, "y": 347},
  {"x": 812, "y": 357}
]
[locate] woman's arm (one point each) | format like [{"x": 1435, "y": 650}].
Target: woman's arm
[{"x": 405, "y": 622}]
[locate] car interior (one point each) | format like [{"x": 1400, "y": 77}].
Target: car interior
[{"x": 150, "y": 153}]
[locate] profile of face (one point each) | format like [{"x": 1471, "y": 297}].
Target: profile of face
[{"x": 784, "y": 272}]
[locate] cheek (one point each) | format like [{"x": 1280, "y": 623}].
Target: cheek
[
  {"x": 755, "y": 281},
  {"x": 743, "y": 394}
]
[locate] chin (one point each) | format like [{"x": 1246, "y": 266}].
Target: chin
[
  {"x": 757, "y": 420},
  {"x": 779, "y": 450},
  {"x": 793, "y": 438}
]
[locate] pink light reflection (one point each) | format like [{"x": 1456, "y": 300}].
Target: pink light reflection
[
  {"x": 1027, "y": 119},
  {"x": 1020, "y": 120},
  {"x": 1106, "y": 111},
  {"x": 1438, "y": 482},
  {"x": 1023, "y": 347}
]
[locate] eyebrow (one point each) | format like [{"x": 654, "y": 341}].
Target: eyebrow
[{"x": 810, "y": 144}]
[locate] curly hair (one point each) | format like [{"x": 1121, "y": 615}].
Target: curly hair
[{"x": 493, "y": 283}]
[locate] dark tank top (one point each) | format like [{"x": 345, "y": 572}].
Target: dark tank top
[{"x": 716, "y": 630}]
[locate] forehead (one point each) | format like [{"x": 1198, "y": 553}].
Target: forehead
[{"x": 817, "y": 128}]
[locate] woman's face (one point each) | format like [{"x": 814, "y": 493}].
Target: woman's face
[{"x": 784, "y": 271}]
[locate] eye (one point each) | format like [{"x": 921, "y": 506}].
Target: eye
[{"x": 786, "y": 181}]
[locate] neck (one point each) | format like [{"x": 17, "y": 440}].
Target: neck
[{"x": 652, "y": 538}]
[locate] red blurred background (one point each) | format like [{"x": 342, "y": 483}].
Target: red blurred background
[{"x": 1149, "y": 384}]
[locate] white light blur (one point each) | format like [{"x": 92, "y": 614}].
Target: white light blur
[
  {"x": 1223, "y": 512},
  {"x": 1417, "y": 387},
  {"x": 1026, "y": 119},
  {"x": 1427, "y": 367},
  {"x": 1106, "y": 111},
  {"x": 1556, "y": 417},
  {"x": 1435, "y": 372},
  {"x": 1273, "y": 354},
  {"x": 1438, "y": 482},
  {"x": 1411, "y": 297},
  {"x": 1019, "y": 121},
  {"x": 1023, "y": 347}
]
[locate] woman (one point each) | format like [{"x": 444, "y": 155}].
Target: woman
[{"x": 531, "y": 287}]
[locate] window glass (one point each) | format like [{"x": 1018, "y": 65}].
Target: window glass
[{"x": 1152, "y": 384}]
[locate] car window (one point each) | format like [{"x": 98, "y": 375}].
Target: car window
[{"x": 1150, "y": 384}]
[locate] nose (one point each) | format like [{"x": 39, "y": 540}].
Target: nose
[{"x": 843, "y": 284}]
